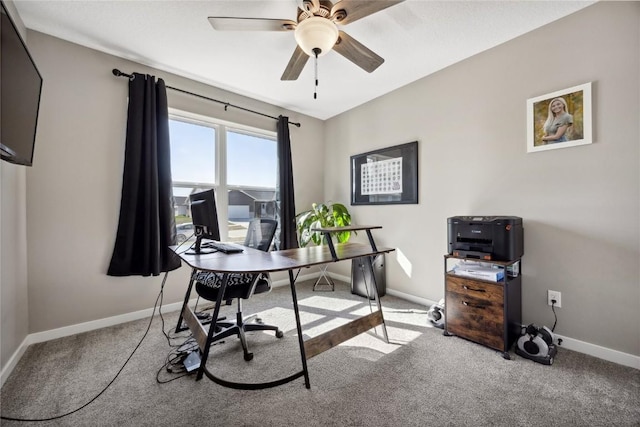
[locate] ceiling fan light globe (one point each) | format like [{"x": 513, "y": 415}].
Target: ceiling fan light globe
[{"x": 316, "y": 33}]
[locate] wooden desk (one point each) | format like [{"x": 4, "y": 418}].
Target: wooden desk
[{"x": 255, "y": 261}]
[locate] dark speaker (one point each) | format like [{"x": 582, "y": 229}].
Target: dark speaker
[{"x": 360, "y": 279}]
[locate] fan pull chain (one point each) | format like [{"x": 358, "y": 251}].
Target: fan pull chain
[{"x": 316, "y": 51}]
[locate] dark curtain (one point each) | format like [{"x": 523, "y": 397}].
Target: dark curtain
[
  {"x": 287, "y": 238},
  {"x": 147, "y": 225}
]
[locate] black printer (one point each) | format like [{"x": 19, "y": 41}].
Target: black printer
[{"x": 497, "y": 238}]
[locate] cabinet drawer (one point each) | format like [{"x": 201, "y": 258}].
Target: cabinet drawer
[
  {"x": 493, "y": 292},
  {"x": 474, "y": 310}
]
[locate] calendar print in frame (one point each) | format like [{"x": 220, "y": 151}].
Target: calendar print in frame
[{"x": 386, "y": 176}]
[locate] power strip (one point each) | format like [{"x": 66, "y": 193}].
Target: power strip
[{"x": 192, "y": 362}]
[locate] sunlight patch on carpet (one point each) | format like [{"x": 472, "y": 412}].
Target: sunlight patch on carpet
[
  {"x": 372, "y": 341},
  {"x": 285, "y": 319},
  {"x": 409, "y": 317},
  {"x": 328, "y": 324},
  {"x": 328, "y": 303}
]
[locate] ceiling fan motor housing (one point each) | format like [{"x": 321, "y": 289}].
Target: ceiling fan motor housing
[{"x": 316, "y": 33}]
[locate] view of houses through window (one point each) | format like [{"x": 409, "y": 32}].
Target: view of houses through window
[{"x": 239, "y": 163}]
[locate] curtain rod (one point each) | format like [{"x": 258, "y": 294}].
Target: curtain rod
[{"x": 119, "y": 73}]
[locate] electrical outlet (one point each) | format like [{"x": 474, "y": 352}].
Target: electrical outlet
[{"x": 556, "y": 296}]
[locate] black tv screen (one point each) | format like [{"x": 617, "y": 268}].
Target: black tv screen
[{"x": 20, "y": 88}]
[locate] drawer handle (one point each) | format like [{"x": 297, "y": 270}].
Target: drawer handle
[
  {"x": 473, "y": 289},
  {"x": 473, "y": 305}
]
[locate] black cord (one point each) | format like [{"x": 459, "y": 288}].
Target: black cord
[
  {"x": 553, "y": 304},
  {"x": 114, "y": 378},
  {"x": 175, "y": 361},
  {"x": 169, "y": 338},
  {"x": 159, "y": 381},
  {"x": 185, "y": 241}
]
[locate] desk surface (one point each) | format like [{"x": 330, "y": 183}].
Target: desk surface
[{"x": 255, "y": 261}]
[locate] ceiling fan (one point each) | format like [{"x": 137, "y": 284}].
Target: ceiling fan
[{"x": 316, "y": 31}]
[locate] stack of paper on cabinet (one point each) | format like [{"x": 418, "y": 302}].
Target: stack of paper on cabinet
[{"x": 478, "y": 271}]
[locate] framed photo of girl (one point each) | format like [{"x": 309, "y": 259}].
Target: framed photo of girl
[{"x": 559, "y": 119}]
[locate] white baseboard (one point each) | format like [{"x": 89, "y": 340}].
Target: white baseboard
[
  {"x": 594, "y": 350},
  {"x": 66, "y": 331},
  {"x": 302, "y": 278},
  {"x": 407, "y": 297},
  {"x": 98, "y": 324},
  {"x": 600, "y": 352},
  {"x": 13, "y": 361}
]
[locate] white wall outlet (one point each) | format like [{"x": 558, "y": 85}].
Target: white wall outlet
[{"x": 556, "y": 296}]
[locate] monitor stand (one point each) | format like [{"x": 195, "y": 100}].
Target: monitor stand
[{"x": 198, "y": 249}]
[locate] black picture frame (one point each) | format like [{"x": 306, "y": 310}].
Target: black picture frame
[{"x": 386, "y": 176}]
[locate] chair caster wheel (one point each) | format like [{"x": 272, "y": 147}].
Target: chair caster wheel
[
  {"x": 248, "y": 356},
  {"x": 279, "y": 334}
]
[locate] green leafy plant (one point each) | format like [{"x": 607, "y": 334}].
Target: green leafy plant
[{"x": 322, "y": 216}]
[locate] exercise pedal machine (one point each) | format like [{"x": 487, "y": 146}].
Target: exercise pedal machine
[{"x": 537, "y": 344}]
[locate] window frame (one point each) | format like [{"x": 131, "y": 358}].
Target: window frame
[{"x": 220, "y": 186}]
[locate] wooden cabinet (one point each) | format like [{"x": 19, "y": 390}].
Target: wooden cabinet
[{"x": 483, "y": 311}]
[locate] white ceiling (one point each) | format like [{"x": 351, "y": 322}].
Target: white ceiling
[{"x": 416, "y": 38}]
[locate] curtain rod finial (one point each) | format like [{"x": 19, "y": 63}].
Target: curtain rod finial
[{"x": 119, "y": 73}]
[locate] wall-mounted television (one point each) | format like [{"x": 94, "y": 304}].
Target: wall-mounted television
[{"x": 20, "y": 89}]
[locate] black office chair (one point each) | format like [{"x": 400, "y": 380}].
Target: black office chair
[{"x": 242, "y": 286}]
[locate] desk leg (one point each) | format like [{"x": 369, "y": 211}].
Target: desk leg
[
  {"x": 376, "y": 296},
  {"x": 332, "y": 249},
  {"x": 299, "y": 327},
  {"x": 371, "y": 242},
  {"x": 179, "y": 327},
  {"x": 212, "y": 326}
]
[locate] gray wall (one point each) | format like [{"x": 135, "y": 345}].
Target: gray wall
[{"x": 580, "y": 205}]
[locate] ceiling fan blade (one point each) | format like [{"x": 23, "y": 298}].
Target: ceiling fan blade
[
  {"x": 295, "y": 65},
  {"x": 222, "y": 23},
  {"x": 347, "y": 11},
  {"x": 357, "y": 53}
]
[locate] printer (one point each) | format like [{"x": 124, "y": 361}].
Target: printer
[{"x": 498, "y": 238}]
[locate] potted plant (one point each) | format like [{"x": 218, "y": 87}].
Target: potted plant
[{"x": 322, "y": 215}]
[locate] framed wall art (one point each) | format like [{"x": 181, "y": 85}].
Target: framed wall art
[
  {"x": 559, "y": 119},
  {"x": 385, "y": 176}
]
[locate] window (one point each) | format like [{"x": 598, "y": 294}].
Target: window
[{"x": 239, "y": 163}]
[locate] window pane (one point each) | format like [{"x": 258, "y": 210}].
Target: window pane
[
  {"x": 252, "y": 172},
  {"x": 193, "y": 152},
  {"x": 251, "y": 160},
  {"x": 244, "y": 205}
]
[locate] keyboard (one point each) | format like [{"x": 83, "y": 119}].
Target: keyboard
[{"x": 227, "y": 248}]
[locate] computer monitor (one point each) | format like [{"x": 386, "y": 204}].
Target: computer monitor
[{"x": 205, "y": 218}]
